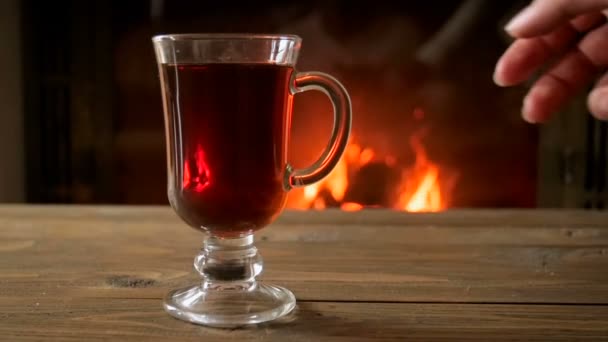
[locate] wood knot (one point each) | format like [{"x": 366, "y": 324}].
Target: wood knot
[{"x": 127, "y": 281}]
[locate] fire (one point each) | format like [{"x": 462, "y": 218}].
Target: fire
[
  {"x": 421, "y": 187},
  {"x": 426, "y": 191}
]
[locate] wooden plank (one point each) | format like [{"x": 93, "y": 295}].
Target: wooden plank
[
  {"x": 88, "y": 319},
  {"x": 297, "y": 227},
  {"x": 322, "y": 272},
  {"x": 63, "y": 251}
]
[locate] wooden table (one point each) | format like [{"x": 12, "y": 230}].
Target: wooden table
[{"x": 84, "y": 273}]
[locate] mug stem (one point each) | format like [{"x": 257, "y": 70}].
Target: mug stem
[
  {"x": 229, "y": 262},
  {"x": 229, "y": 295}
]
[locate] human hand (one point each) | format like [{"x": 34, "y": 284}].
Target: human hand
[{"x": 570, "y": 37}]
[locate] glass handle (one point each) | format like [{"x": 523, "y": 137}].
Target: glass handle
[{"x": 340, "y": 133}]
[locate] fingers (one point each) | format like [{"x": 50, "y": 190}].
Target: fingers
[
  {"x": 557, "y": 86},
  {"x": 543, "y": 16},
  {"x": 525, "y": 56},
  {"x": 567, "y": 77}
]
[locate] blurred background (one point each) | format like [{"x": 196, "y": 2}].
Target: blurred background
[{"x": 82, "y": 119}]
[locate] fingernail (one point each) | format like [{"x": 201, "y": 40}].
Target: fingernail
[
  {"x": 521, "y": 19},
  {"x": 525, "y": 110},
  {"x": 599, "y": 103},
  {"x": 496, "y": 76},
  {"x": 534, "y": 106}
]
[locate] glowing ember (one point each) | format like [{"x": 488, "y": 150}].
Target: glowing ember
[
  {"x": 351, "y": 206},
  {"x": 422, "y": 187}
]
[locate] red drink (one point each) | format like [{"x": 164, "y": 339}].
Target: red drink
[
  {"x": 226, "y": 125},
  {"x": 229, "y": 123}
]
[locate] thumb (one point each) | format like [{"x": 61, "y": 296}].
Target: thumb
[{"x": 543, "y": 16}]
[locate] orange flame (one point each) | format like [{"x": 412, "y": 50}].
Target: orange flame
[{"x": 423, "y": 187}]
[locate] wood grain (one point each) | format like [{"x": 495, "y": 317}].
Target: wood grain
[
  {"x": 142, "y": 319},
  {"x": 102, "y": 271}
]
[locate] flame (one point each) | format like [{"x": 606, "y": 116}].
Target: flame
[
  {"x": 196, "y": 178},
  {"x": 427, "y": 196},
  {"x": 423, "y": 187},
  {"x": 337, "y": 181},
  {"x": 423, "y": 180}
]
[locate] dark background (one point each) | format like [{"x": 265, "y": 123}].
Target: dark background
[{"x": 92, "y": 119}]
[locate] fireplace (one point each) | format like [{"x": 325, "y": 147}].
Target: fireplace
[
  {"x": 366, "y": 178},
  {"x": 431, "y": 132}
]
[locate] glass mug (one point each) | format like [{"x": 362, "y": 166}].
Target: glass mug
[{"x": 227, "y": 101}]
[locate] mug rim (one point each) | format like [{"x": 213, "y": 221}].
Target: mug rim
[{"x": 225, "y": 36}]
